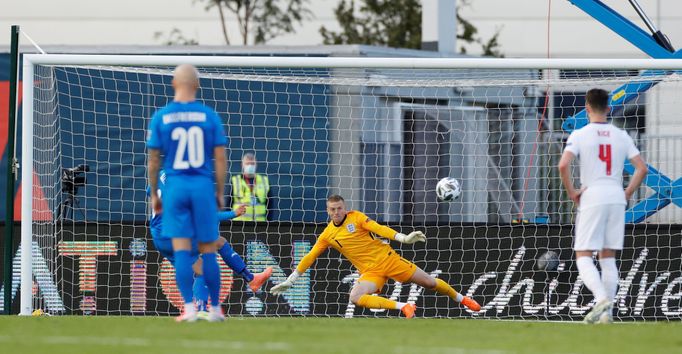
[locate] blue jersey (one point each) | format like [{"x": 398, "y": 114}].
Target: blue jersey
[{"x": 186, "y": 134}]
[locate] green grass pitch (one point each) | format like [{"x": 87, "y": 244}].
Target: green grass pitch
[{"x": 101, "y": 335}]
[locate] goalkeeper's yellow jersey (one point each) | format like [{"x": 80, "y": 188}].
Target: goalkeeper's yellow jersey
[{"x": 354, "y": 239}]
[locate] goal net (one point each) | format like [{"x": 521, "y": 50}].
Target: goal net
[{"x": 380, "y": 132}]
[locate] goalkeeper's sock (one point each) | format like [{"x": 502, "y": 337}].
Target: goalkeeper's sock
[
  {"x": 200, "y": 293},
  {"x": 376, "y": 302},
  {"x": 235, "y": 262},
  {"x": 444, "y": 288},
  {"x": 590, "y": 275},
  {"x": 184, "y": 275},
  {"x": 212, "y": 277}
]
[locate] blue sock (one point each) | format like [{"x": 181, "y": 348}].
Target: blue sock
[
  {"x": 235, "y": 262},
  {"x": 212, "y": 277},
  {"x": 184, "y": 275},
  {"x": 200, "y": 293}
]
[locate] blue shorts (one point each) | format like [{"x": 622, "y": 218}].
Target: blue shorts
[
  {"x": 165, "y": 246},
  {"x": 190, "y": 209}
]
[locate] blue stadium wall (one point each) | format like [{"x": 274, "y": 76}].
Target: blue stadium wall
[{"x": 285, "y": 125}]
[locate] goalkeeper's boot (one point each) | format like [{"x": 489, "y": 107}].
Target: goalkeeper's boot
[
  {"x": 471, "y": 304},
  {"x": 189, "y": 314},
  {"x": 598, "y": 309},
  {"x": 260, "y": 279},
  {"x": 408, "y": 310},
  {"x": 215, "y": 314}
]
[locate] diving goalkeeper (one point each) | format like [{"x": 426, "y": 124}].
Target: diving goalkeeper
[{"x": 349, "y": 232}]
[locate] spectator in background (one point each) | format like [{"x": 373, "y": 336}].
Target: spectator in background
[{"x": 251, "y": 189}]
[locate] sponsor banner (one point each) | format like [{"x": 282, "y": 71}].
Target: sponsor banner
[{"x": 114, "y": 269}]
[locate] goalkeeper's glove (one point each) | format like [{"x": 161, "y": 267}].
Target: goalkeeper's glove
[
  {"x": 413, "y": 237},
  {"x": 282, "y": 287}
]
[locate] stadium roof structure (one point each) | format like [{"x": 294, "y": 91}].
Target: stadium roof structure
[{"x": 269, "y": 50}]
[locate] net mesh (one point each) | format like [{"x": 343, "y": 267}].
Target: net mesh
[{"x": 381, "y": 138}]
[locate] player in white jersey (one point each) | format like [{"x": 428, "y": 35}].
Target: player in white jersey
[{"x": 600, "y": 225}]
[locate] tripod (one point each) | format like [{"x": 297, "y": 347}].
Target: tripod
[{"x": 68, "y": 205}]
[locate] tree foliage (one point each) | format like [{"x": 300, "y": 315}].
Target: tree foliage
[
  {"x": 260, "y": 20},
  {"x": 396, "y": 23},
  {"x": 393, "y": 23},
  {"x": 174, "y": 37}
]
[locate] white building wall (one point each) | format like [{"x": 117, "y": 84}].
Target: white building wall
[
  {"x": 134, "y": 22},
  {"x": 523, "y": 24}
]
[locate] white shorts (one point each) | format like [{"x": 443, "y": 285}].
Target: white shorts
[{"x": 600, "y": 227}]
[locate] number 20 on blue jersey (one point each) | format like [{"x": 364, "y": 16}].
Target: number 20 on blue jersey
[{"x": 192, "y": 141}]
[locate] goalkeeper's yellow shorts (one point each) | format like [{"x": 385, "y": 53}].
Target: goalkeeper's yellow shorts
[{"x": 394, "y": 267}]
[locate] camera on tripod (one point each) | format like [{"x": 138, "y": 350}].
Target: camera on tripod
[{"x": 74, "y": 177}]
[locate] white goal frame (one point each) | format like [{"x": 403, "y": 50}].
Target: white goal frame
[{"x": 31, "y": 60}]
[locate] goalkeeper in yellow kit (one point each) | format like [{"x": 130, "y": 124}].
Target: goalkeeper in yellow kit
[{"x": 350, "y": 233}]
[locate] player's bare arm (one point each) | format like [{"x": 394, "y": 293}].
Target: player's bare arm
[
  {"x": 220, "y": 174},
  {"x": 566, "y": 179},
  {"x": 641, "y": 171},
  {"x": 154, "y": 165}
]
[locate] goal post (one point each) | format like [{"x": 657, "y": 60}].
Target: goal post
[
  {"x": 26, "y": 165},
  {"x": 379, "y": 131}
]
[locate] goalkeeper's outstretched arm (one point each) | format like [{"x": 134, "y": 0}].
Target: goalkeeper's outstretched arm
[
  {"x": 305, "y": 263},
  {"x": 389, "y": 233}
]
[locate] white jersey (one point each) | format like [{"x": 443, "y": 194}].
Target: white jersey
[{"x": 602, "y": 150}]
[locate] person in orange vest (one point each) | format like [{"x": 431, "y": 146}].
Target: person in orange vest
[{"x": 251, "y": 189}]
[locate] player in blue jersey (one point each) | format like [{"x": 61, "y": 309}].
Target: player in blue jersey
[
  {"x": 189, "y": 138},
  {"x": 231, "y": 258}
]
